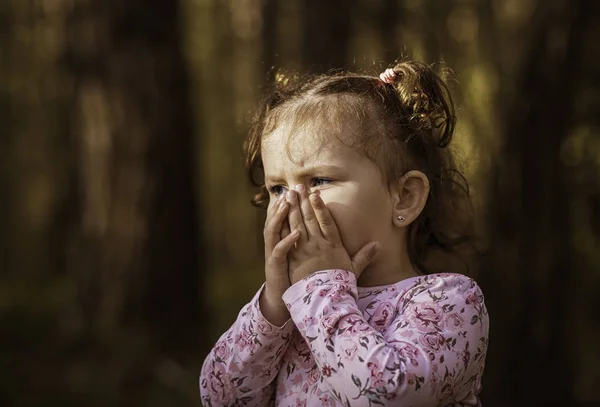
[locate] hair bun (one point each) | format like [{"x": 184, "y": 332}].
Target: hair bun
[{"x": 426, "y": 98}]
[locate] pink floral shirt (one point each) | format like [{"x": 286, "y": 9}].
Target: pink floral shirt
[{"x": 419, "y": 342}]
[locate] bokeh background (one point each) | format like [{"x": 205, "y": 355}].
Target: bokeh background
[{"x": 127, "y": 241}]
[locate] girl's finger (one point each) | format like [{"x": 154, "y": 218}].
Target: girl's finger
[
  {"x": 280, "y": 251},
  {"x": 364, "y": 257},
  {"x": 273, "y": 227},
  {"x": 285, "y": 229},
  {"x": 295, "y": 216},
  {"x": 326, "y": 223},
  {"x": 308, "y": 215},
  {"x": 272, "y": 209}
]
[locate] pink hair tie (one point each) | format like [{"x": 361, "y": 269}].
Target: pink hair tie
[{"x": 388, "y": 76}]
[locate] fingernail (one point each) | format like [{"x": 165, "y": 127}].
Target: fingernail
[
  {"x": 290, "y": 196},
  {"x": 281, "y": 206},
  {"x": 294, "y": 233},
  {"x": 300, "y": 188}
]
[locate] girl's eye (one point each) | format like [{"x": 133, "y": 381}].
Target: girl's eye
[
  {"x": 317, "y": 182},
  {"x": 277, "y": 190}
]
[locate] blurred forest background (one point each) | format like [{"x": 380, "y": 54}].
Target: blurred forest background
[{"x": 128, "y": 244}]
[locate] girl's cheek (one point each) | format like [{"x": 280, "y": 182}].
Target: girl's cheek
[{"x": 329, "y": 196}]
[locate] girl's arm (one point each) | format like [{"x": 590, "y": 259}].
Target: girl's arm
[
  {"x": 430, "y": 349},
  {"x": 242, "y": 366}
]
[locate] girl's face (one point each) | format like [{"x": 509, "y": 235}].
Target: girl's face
[{"x": 349, "y": 183}]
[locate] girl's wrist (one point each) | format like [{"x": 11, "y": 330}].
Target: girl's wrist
[
  {"x": 273, "y": 308},
  {"x": 273, "y": 295}
]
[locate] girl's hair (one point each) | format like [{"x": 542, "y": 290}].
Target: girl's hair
[{"x": 403, "y": 126}]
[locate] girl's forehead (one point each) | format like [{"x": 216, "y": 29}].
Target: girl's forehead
[
  {"x": 302, "y": 145},
  {"x": 290, "y": 149}
]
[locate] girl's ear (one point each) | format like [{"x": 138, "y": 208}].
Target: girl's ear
[{"x": 410, "y": 196}]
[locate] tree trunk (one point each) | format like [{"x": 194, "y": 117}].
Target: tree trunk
[
  {"x": 527, "y": 277},
  {"x": 388, "y": 21},
  {"x": 134, "y": 242},
  {"x": 325, "y": 34},
  {"x": 269, "y": 11}
]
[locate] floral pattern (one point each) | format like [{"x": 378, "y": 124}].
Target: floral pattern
[{"x": 419, "y": 342}]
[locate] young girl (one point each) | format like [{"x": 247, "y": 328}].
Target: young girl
[{"x": 361, "y": 192}]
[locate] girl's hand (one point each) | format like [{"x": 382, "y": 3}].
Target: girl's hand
[
  {"x": 319, "y": 246},
  {"x": 276, "y": 265}
]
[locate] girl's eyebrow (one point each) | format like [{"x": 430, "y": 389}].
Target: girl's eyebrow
[{"x": 327, "y": 169}]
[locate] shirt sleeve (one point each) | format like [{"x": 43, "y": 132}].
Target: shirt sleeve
[
  {"x": 430, "y": 351},
  {"x": 242, "y": 366}
]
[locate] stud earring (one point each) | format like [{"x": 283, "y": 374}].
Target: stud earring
[{"x": 401, "y": 218}]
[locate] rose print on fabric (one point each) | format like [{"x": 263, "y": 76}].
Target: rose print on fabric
[
  {"x": 329, "y": 322},
  {"x": 349, "y": 348},
  {"x": 245, "y": 342},
  {"x": 425, "y": 317},
  {"x": 420, "y": 341},
  {"x": 342, "y": 276},
  {"x": 222, "y": 351},
  {"x": 220, "y": 385},
  {"x": 264, "y": 328},
  {"x": 353, "y": 324},
  {"x": 453, "y": 321},
  {"x": 383, "y": 315},
  {"x": 300, "y": 403},
  {"x": 409, "y": 353},
  {"x": 314, "y": 375},
  {"x": 432, "y": 340}
]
